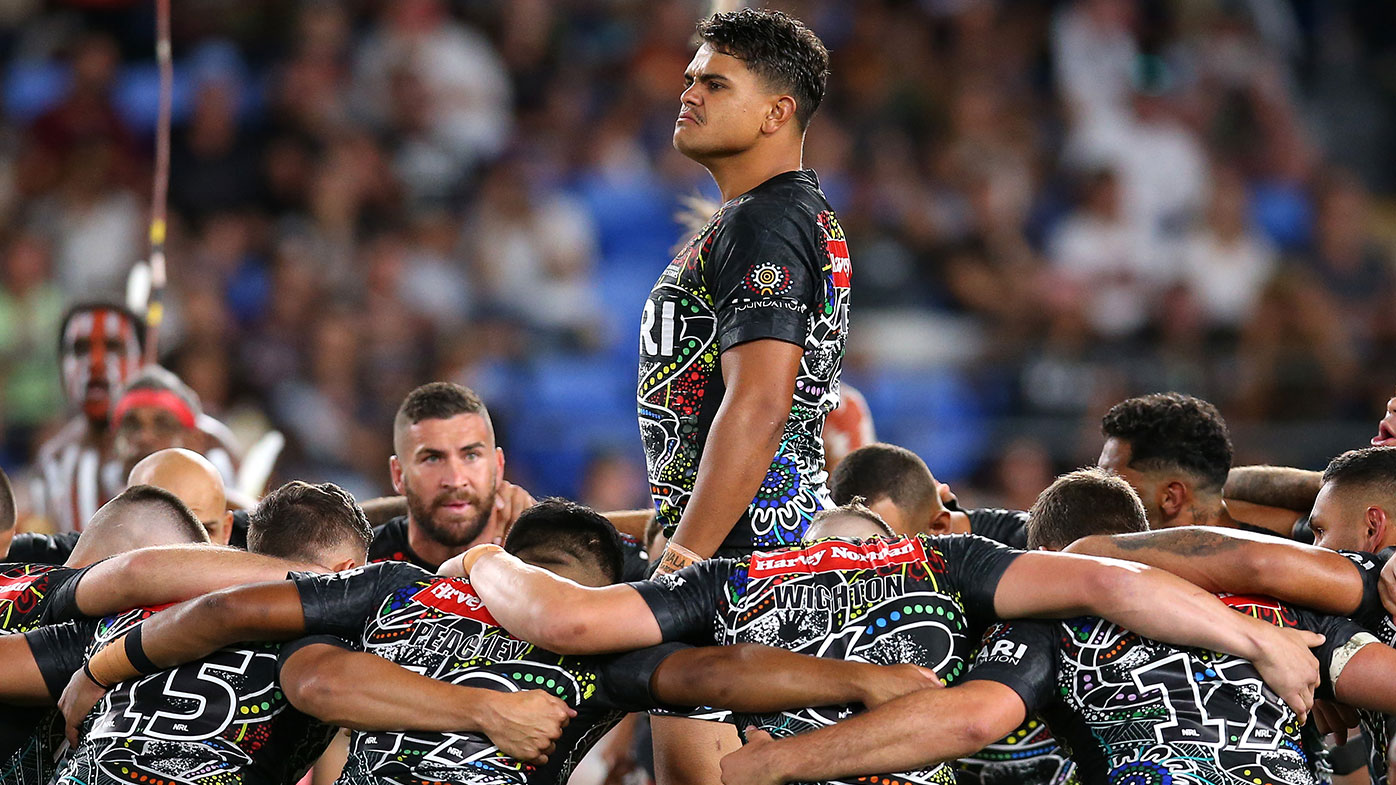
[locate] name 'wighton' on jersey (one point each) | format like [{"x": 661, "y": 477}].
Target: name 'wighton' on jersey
[{"x": 770, "y": 264}]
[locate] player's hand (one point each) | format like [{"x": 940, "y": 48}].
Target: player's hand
[
  {"x": 751, "y": 765},
  {"x": 1335, "y": 719},
  {"x": 525, "y": 725},
  {"x": 509, "y": 503},
  {"x": 888, "y": 682},
  {"x": 1287, "y": 665},
  {"x": 1387, "y": 587},
  {"x": 76, "y": 702}
]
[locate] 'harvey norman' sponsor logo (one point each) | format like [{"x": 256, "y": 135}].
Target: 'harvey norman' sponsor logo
[
  {"x": 834, "y": 556},
  {"x": 455, "y": 595}
]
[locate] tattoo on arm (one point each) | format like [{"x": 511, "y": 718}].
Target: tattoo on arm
[
  {"x": 1184, "y": 542},
  {"x": 1274, "y": 486}
]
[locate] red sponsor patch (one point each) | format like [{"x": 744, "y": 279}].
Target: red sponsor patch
[
  {"x": 455, "y": 596},
  {"x": 842, "y": 266},
  {"x": 15, "y": 587},
  {"x": 834, "y": 556}
]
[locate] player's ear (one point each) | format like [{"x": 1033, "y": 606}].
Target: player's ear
[
  {"x": 779, "y": 114},
  {"x": 1172, "y": 498},
  {"x": 1375, "y": 524},
  {"x": 347, "y": 564},
  {"x": 395, "y": 471},
  {"x": 227, "y": 533},
  {"x": 941, "y": 523}
]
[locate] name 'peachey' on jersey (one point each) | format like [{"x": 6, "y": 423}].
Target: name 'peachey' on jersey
[{"x": 770, "y": 264}]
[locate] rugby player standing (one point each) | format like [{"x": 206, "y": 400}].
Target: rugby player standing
[{"x": 742, "y": 338}]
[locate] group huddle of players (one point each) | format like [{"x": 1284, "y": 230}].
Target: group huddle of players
[{"x": 1155, "y": 619}]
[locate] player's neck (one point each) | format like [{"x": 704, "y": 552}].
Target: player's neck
[{"x": 737, "y": 174}]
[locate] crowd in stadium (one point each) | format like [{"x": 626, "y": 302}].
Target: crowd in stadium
[{"x": 361, "y": 498}]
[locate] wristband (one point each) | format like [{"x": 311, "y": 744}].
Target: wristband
[
  {"x": 473, "y": 555},
  {"x": 87, "y": 670},
  {"x": 136, "y": 653},
  {"x": 675, "y": 558},
  {"x": 111, "y": 665},
  {"x": 1345, "y": 652}
]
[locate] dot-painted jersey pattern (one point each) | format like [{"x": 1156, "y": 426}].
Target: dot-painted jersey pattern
[{"x": 770, "y": 264}]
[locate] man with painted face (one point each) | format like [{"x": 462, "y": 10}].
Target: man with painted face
[
  {"x": 100, "y": 350},
  {"x": 448, "y": 467}
]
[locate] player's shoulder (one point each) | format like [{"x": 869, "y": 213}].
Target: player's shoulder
[
  {"x": 389, "y": 540},
  {"x": 1009, "y": 527},
  {"x": 792, "y": 198}
]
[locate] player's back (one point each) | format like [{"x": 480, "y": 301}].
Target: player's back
[
  {"x": 1131, "y": 708},
  {"x": 440, "y": 628},
  {"x": 919, "y": 600},
  {"x": 223, "y": 718}
]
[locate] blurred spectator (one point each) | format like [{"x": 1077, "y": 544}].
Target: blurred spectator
[
  {"x": 1226, "y": 264},
  {"x": 31, "y": 308},
  {"x": 612, "y": 481}
]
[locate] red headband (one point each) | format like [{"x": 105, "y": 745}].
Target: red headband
[{"x": 160, "y": 399}]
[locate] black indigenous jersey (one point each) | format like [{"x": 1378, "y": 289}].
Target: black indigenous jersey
[
  {"x": 390, "y": 544},
  {"x": 36, "y": 548},
  {"x": 31, "y": 737},
  {"x": 35, "y": 594},
  {"x": 222, "y": 720},
  {"x": 1133, "y": 710},
  {"x": 440, "y": 628},
  {"x": 1009, "y": 527},
  {"x": 1374, "y": 617},
  {"x": 770, "y": 264},
  {"x": 919, "y": 600},
  {"x": 1029, "y": 755}
]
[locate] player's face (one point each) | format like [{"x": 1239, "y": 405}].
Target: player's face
[
  {"x": 100, "y": 353},
  {"x": 449, "y": 471},
  {"x": 1115, "y": 457},
  {"x": 1386, "y": 429},
  {"x": 147, "y": 429},
  {"x": 721, "y": 109},
  {"x": 1339, "y": 520}
]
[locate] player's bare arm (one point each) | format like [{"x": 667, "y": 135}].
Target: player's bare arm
[
  {"x": 753, "y": 678},
  {"x": 914, "y": 731},
  {"x": 174, "y": 573},
  {"x": 1159, "y": 605},
  {"x": 1273, "y": 486},
  {"x": 1227, "y": 560},
  {"x": 759, "y": 377},
  {"x": 21, "y": 681},
  {"x": 555, "y": 613},
  {"x": 363, "y": 691}
]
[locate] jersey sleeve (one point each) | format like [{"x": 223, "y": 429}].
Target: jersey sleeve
[
  {"x": 686, "y": 603},
  {"x": 977, "y": 564},
  {"x": 763, "y": 275},
  {"x": 1371, "y": 612},
  {"x": 1022, "y": 656},
  {"x": 36, "y": 548},
  {"x": 1009, "y": 527},
  {"x": 62, "y": 602},
  {"x": 59, "y": 650},
  {"x": 341, "y": 603},
  {"x": 1338, "y": 645},
  {"x": 623, "y": 680}
]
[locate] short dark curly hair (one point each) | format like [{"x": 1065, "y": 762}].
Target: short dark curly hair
[
  {"x": 1173, "y": 431},
  {"x": 778, "y": 48},
  {"x": 300, "y": 520},
  {"x": 1371, "y": 468},
  {"x": 556, "y": 524}
]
